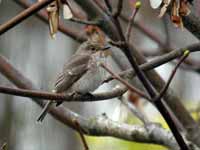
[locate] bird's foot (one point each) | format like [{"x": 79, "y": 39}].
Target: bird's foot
[
  {"x": 88, "y": 96},
  {"x": 84, "y": 97}
]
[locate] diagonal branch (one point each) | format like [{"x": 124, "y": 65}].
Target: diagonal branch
[
  {"x": 99, "y": 126},
  {"x": 42, "y": 14},
  {"x": 131, "y": 19},
  {"x": 119, "y": 9},
  {"x": 108, "y": 5},
  {"x": 160, "y": 105},
  {"x": 158, "y": 61},
  {"x": 135, "y": 110},
  {"x": 185, "y": 115},
  {"x": 170, "y": 98},
  {"x": 85, "y": 22},
  {"x": 5, "y": 69},
  {"x": 129, "y": 86},
  {"x": 62, "y": 97},
  {"x": 23, "y": 15},
  {"x": 81, "y": 135},
  {"x": 163, "y": 91}
]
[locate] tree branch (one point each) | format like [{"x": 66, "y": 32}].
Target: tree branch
[
  {"x": 171, "y": 99},
  {"x": 23, "y": 15},
  {"x": 85, "y": 22},
  {"x": 192, "y": 23},
  {"x": 129, "y": 86},
  {"x": 100, "y": 126},
  {"x": 160, "y": 105},
  {"x": 130, "y": 22},
  {"x": 187, "y": 120},
  {"x": 63, "y": 97},
  {"x": 134, "y": 110},
  {"x": 119, "y": 9},
  {"x": 108, "y": 5},
  {"x": 163, "y": 91},
  {"x": 42, "y": 15}
]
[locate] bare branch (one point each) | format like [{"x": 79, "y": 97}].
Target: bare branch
[
  {"x": 130, "y": 22},
  {"x": 108, "y": 5},
  {"x": 23, "y": 15},
  {"x": 171, "y": 99},
  {"x": 119, "y": 9},
  {"x": 99, "y": 126},
  {"x": 63, "y": 97},
  {"x": 129, "y": 86},
  {"x": 158, "y": 61},
  {"x": 71, "y": 32},
  {"x": 163, "y": 91},
  {"x": 188, "y": 118},
  {"x": 85, "y": 22},
  {"x": 81, "y": 135},
  {"x": 127, "y": 49},
  {"x": 134, "y": 110},
  {"x": 192, "y": 23}
]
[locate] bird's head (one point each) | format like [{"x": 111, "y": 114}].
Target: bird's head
[{"x": 93, "y": 47}]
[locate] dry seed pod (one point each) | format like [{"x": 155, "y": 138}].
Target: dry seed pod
[
  {"x": 164, "y": 8},
  {"x": 175, "y": 17},
  {"x": 53, "y": 16},
  {"x": 155, "y": 3}
]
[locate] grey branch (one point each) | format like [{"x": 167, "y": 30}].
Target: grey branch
[{"x": 100, "y": 126}]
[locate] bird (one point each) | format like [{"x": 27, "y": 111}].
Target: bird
[{"x": 81, "y": 74}]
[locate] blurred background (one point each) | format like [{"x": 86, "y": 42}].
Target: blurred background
[{"x": 31, "y": 50}]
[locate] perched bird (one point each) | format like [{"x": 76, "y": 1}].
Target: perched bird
[{"x": 82, "y": 73}]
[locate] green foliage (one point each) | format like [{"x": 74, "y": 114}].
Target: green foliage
[{"x": 109, "y": 143}]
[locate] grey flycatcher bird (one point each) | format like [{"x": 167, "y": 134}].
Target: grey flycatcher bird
[{"x": 81, "y": 74}]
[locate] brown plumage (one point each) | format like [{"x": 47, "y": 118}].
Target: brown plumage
[{"x": 81, "y": 73}]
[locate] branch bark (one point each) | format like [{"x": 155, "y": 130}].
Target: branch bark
[
  {"x": 23, "y": 15},
  {"x": 170, "y": 98},
  {"x": 99, "y": 126}
]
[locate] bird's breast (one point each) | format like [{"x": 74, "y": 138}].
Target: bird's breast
[{"x": 91, "y": 80}]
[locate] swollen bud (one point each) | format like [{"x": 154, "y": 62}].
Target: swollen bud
[{"x": 138, "y": 4}]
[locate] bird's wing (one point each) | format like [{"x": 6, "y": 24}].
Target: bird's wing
[{"x": 72, "y": 71}]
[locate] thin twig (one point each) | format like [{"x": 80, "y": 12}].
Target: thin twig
[
  {"x": 166, "y": 33},
  {"x": 23, "y": 15},
  {"x": 42, "y": 15},
  {"x": 108, "y": 5},
  {"x": 85, "y": 22},
  {"x": 62, "y": 97},
  {"x": 129, "y": 86},
  {"x": 92, "y": 126},
  {"x": 134, "y": 110},
  {"x": 161, "y": 106},
  {"x": 119, "y": 9},
  {"x": 77, "y": 125},
  {"x": 163, "y": 91},
  {"x": 130, "y": 22},
  {"x": 158, "y": 61}
]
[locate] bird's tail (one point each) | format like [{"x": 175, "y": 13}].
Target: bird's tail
[{"x": 44, "y": 111}]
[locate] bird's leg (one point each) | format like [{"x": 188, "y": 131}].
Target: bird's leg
[{"x": 86, "y": 96}]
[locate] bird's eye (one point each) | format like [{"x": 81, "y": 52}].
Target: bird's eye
[{"x": 93, "y": 48}]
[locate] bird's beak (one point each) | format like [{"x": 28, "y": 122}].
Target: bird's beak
[
  {"x": 105, "y": 51},
  {"x": 105, "y": 48}
]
